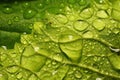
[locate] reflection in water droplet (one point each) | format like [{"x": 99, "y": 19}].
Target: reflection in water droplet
[
  {"x": 29, "y": 13},
  {"x": 7, "y": 10},
  {"x": 99, "y": 24},
  {"x": 80, "y": 25}
]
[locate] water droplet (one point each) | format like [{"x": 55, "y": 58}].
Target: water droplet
[
  {"x": 61, "y": 18},
  {"x": 12, "y": 69},
  {"x": 26, "y": 5},
  {"x": 116, "y": 30},
  {"x": 99, "y": 24},
  {"x": 88, "y": 34},
  {"x": 19, "y": 75},
  {"x": 98, "y": 79},
  {"x": 39, "y": 5},
  {"x": 78, "y": 74},
  {"x": 32, "y": 77},
  {"x": 87, "y": 13},
  {"x": 8, "y": 10},
  {"x": 115, "y": 61},
  {"x": 71, "y": 1},
  {"x": 29, "y": 13},
  {"x": 80, "y": 25},
  {"x": 9, "y": 21},
  {"x": 16, "y": 18},
  {"x": 102, "y": 14},
  {"x": 115, "y": 14},
  {"x": 99, "y": 1},
  {"x": 82, "y": 2},
  {"x": 58, "y": 57}
]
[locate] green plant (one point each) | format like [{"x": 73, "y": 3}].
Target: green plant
[{"x": 60, "y": 40}]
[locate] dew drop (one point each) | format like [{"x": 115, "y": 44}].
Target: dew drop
[
  {"x": 9, "y": 21},
  {"x": 80, "y": 25},
  {"x": 58, "y": 57},
  {"x": 78, "y": 74},
  {"x": 102, "y": 14},
  {"x": 29, "y": 13},
  {"x": 19, "y": 75},
  {"x": 88, "y": 34},
  {"x": 115, "y": 14},
  {"x": 86, "y": 13},
  {"x": 99, "y": 24},
  {"x": 98, "y": 79},
  {"x": 99, "y": 1},
  {"x": 16, "y": 18},
  {"x": 12, "y": 69},
  {"x": 7, "y": 10},
  {"x": 61, "y": 18},
  {"x": 82, "y": 2},
  {"x": 71, "y": 1}
]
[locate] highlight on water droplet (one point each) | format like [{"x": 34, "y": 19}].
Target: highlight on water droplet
[
  {"x": 99, "y": 24},
  {"x": 16, "y": 18},
  {"x": 29, "y": 13},
  {"x": 80, "y": 25}
]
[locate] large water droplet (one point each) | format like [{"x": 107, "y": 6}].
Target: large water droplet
[
  {"x": 80, "y": 25},
  {"x": 99, "y": 24},
  {"x": 8, "y": 10},
  {"x": 78, "y": 74},
  {"x": 87, "y": 13},
  {"x": 29, "y": 13}
]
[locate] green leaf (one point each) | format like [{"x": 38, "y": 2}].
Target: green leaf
[{"x": 64, "y": 44}]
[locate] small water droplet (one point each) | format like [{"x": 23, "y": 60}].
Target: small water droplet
[
  {"x": 87, "y": 13},
  {"x": 58, "y": 57},
  {"x": 88, "y": 34},
  {"x": 98, "y": 79},
  {"x": 99, "y": 24},
  {"x": 102, "y": 14},
  {"x": 78, "y": 74},
  {"x": 82, "y": 2},
  {"x": 71, "y": 1},
  {"x": 116, "y": 31},
  {"x": 7, "y": 10},
  {"x": 12, "y": 69},
  {"x": 80, "y": 25},
  {"x": 61, "y": 18},
  {"x": 9, "y": 21},
  {"x": 19, "y": 75},
  {"x": 29, "y": 13},
  {"x": 26, "y": 5},
  {"x": 99, "y": 1},
  {"x": 16, "y": 18}
]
